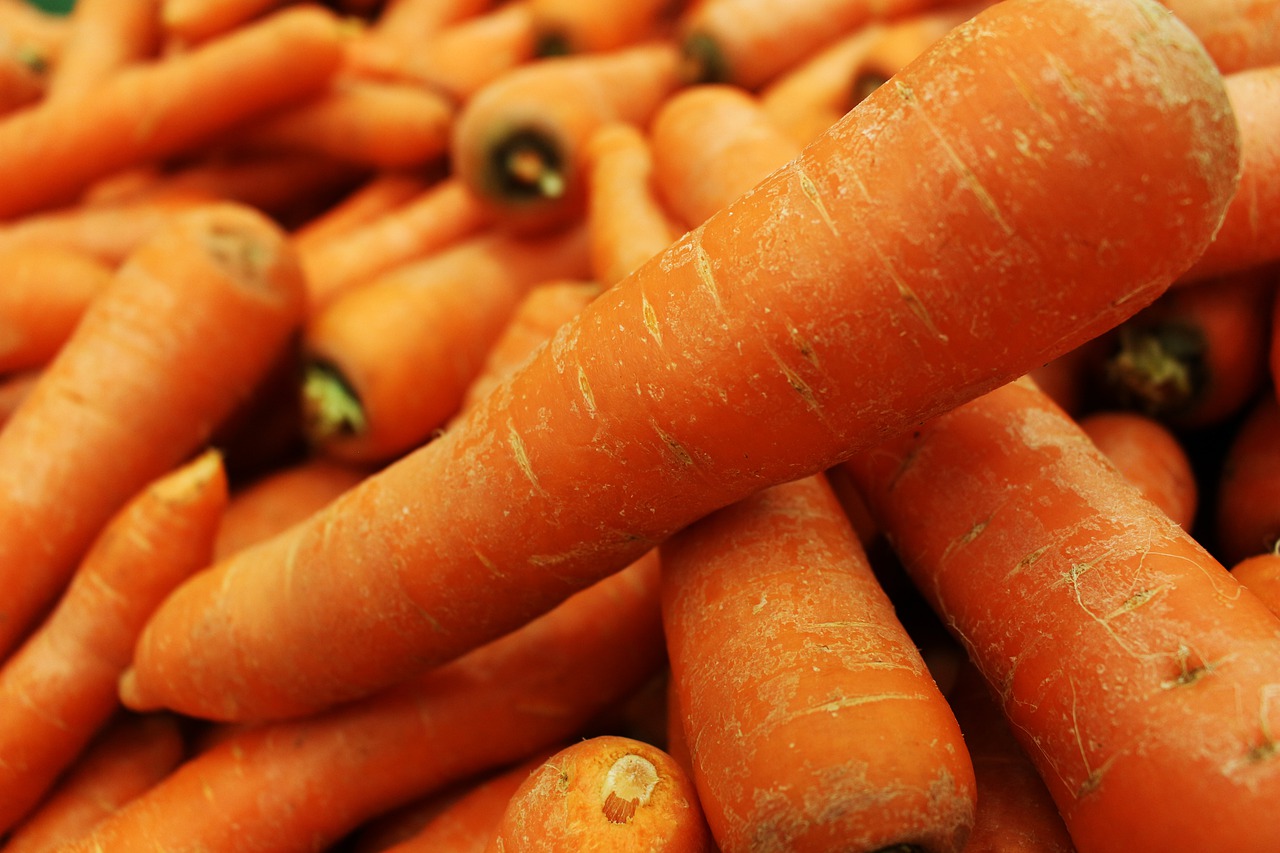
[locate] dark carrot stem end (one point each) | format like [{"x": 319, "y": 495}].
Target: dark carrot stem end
[{"x": 330, "y": 408}]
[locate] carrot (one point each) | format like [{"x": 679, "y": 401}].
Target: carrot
[
  {"x": 44, "y": 294},
  {"x": 828, "y": 308},
  {"x": 44, "y": 35},
  {"x": 1245, "y": 241},
  {"x": 517, "y": 143},
  {"x": 52, "y": 151},
  {"x": 750, "y": 42},
  {"x": 606, "y": 793},
  {"x": 177, "y": 339},
  {"x": 59, "y": 688},
  {"x": 1197, "y": 355},
  {"x": 132, "y": 754},
  {"x": 14, "y": 388},
  {"x": 456, "y": 61},
  {"x": 711, "y": 144},
  {"x": 380, "y": 125},
  {"x": 1260, "y": 574},
  {"x": 198, "y": 20},
  {"x": 567, "y": 26},
  {"x": 105, "y": 36},
  {"x": 302, "y": 784},
  {"x": 411, "y": 20},
  {"x": 379, "y": 195},
  {"x": 1238, "y": 34},
  {"x": 1015, "y": 812},
  {"x": 1151, "y": 457},
  {"x": 1133, "y": 669},
  {"x": 279, "y": 499},
  {"x": 1247, "y": 507},
  {"x": 442, "y": 214},
  {"x": 387, "y": 364},
  {"x": 811, "y": 720},
  {"x": 23, "y": 75},
  {"x": 627, "y": 223}
]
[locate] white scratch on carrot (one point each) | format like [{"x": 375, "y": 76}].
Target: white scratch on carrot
[
  {"x": 588, "y": 397},
  {"x": 677, "y": 449},
  {"x": 810, "y": 190},
  {"x": 522, "y": 456},
  {"x": 702, "y": 265},
  {"x": 836, "y": 705},
  {"x": 651, "y": 319}
]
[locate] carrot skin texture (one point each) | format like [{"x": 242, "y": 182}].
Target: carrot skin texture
[
  {"x": 1135, "y": 671},
  {"x": 186, "y": 328},
  {"x": 1260, "y": 574},
  {"x": 811, "y": 719},
  {"x": 1238, "y": 34},
  {"x": 605, "y": 455},
  {"x": 1149, "y": 456}
]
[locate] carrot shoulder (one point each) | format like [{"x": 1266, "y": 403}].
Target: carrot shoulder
[{"x": 833, "y": 305}]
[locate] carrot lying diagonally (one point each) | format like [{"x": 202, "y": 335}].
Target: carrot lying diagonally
[
  {"x": 378, "y": 195},
  {"x": 44, "y": 294},
  {"x": 198, "y": 20},
  {"x": 833, "y": 305},
  {"x": 1135, "y": 671},
  {"x": 105, "y": 36}
]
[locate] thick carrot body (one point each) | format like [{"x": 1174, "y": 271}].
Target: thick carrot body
[
  {"x": 379, "y": 195},
  {"x": 567, "y": 26},
  {"x": 1151, "y": 457},
  {"x": 105, "y": 36},
  {"x": 811, "y": 719},
  {"x": 1247, "y": 503},
  {"x": 1238, "y": 34},
  {"x": 300, "y": 785},
  {"x": 1136, "y": 672},
  {"x": 197, "y": 20},
  {"x": 59, "y": 688},
  {"x": 832, "y": 306},
  {"x": 44, "y": 293},
  {"x": 606, "y": 793},
  {"x": 187, "y": 327},
  {"x": 52, "y": 151},
  {"x": 412, "y": 20}
]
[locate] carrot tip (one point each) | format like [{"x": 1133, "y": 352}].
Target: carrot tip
[
  {"x": 1158, "y": 370},
  {"x": 330, "y": 408}
]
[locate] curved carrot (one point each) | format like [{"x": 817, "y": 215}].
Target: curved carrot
[
  {"x": 388, "y": 364},
  {"x": 606, "y": 793},
  {"x": 198, "y": 20},
  {"x": 1151, "y": 457},
  {"x": 568, "y": 26},
  {"x": 1238, "y": 34},
  {"x": 105, "y": 36},
  {"x": 1260, "y": 574},
  {"x": 52, "y": 151},
  {"x": 257, "y": 789},
  {"x": 59, "y": 688},
  {"x": 127, "y": 759},
  {"x": 45, "y": 292},
  {"x": 627, "y": 222},
  {"x": 1134, "y": 670},
  {"x": 379, "y": 195},
  {"x": 811, "y": 720},
  {"x": 711, "y": 144},
  {"x": 1247, "y": 505},
  {"x": 833, "y": 305},
  {"x": 517, "y": 143},
  {"x": 174, "y": 343}
]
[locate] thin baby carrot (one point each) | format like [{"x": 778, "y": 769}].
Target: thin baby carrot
[
  {"x": 54, "y": 150},
  {"x": 194, "y": 21},
  {"x": 105, "y": 36},
  {"x": 1247, "y": 499},
  {"x": 186, "y": 328},
  {"x": 833, "y": 305},
  {"x": 59, "y": 689},
  {"x": 126, "y": 759},
  {"x": 603, "y": 794},
  {"x": 568, "y": 26},
  {"x": 378, "y": 195},
  {"x": 811, "y": 719},
  {"x": 1239, "y": 34},
  {"x": 1135, "y": 671},
  {"x": 1151, "y": 457},
  {"x": 517, "y": 143},
  {"x": 44, "y": 293},
  {"x": 302, "y": 784}
]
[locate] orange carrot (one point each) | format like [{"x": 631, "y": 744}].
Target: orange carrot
[
  {"x": 381, "y": 125},
  {"x": 569, "y": 26},
  {"x": 1197, "y": 355},
  {"x": 1134, "y": 670},
  {"x": 59, "y": 688},
  {"x": 811, "y": 720},
  {"x": 518, "y": 142},
  {"x": 1247, "y": 506},
  {"x": 105, "y": 36},
  {"x": 604, "y": 794},
  {"x": 197, "y": 20},
  {"x": 44, "y": 293},
  {"x": 1238, "y": 34},
  {"x": 177, "y": 339},
  {"x": 23, "y": 75},
  {"x": 1151, "y": 457},
  {"x": 130, "y": 756},
  {"x": 442, "y": 214},
  {"x": 14, "y": 388},
  {"x": 830, "y": 307},
  {"x": 52, "y": 151},
  {"x": 711, "y": 144},
  {"x": 1260, "y": 574},
  {"x": 388, "y": 363},
  {"x": 257, "y": 789},
  {"x": 750, "y": 42},
  {"x": 1245, "y": 239},
  {"x": 41, "y": 34},
  {"x": 412, "y": 20},
  {"x": 377, "y": 196},
  {"x": 626, "y": 220}
]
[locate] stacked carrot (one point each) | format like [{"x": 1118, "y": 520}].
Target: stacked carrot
[{"x": 743, "y": 425}]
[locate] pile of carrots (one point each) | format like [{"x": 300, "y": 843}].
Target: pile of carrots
[{"x": 687, "y": 425}]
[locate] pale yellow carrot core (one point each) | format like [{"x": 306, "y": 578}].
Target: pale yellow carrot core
[
  {"x": 627, "y": 786},
  {"x": 529, "y": 166}
]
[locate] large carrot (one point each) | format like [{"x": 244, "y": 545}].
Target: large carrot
[
  {"x": 1135, "y": 671},
  {"x": 879, "y": 278},
  {"x": 50, "y": 152},
  {"x": 187, "y": 327},
  {"x": 300, "y": 785},
  {"x": 59, "y": 688},
  {"x": 44, "y": 294},
  {"x": 811, "y": 719}
]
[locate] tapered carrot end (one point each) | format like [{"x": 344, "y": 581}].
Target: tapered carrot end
[
  {"x": 131, "y": 695},
  {"x": 186, "y": 485}
]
